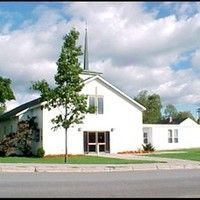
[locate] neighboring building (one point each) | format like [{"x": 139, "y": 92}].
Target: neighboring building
[
  {"x": 115, "y": 127},
  {"x": 174, "y": 135}
]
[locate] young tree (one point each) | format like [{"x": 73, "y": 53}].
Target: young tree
[
  {"x": 6, "y": 93},
  {"x": 66, "y": 94},
  {"x": 153, "y": 106}
]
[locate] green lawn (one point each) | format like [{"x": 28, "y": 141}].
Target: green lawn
[
  {"x": 72, "y": 160},
  {"x": 187, "y": 154}
]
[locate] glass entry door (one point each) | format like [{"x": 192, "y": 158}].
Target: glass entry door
[
  {"x": 96, "y": 142},
  {"x": 92, "y": 142}
]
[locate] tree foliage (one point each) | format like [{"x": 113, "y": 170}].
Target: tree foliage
[
  {"x": 6, "y": 92},
  {"x": 170, "y": 111},
  {"x": 24, "y": 138},
  {"x": 21, "y": 140},
  {"x": 185, "y": 114},
  {"x": 66, "y": 94},
  {"x": 152, "y": 103},
  {"x": 8, "y": 144}
]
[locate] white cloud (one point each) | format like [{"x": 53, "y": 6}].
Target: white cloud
[
  {"x": 196, "y": 59},
  {"x": 131, "y": 47}
]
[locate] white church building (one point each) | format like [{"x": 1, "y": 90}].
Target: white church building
[{"x": 115, "y": 127}]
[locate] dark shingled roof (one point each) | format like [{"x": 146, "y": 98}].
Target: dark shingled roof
[
  {"x": 174, "y": 121},
  {"x": 20, "y": 108}
]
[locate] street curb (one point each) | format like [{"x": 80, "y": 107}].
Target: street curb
[{"x": 90, "y": 169}]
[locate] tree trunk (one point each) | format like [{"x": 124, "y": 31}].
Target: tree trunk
[{"x": 66, "y": 154}]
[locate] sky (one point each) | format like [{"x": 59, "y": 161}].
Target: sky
[{"x": 152, "y": 46}]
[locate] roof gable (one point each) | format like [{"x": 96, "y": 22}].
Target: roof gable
[
  {"x": 38, "y": 101},
  {"x": 115, "y": 89},
  {"x": 188, "y": 122}
]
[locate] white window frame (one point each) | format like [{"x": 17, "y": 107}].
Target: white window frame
[
  {"x": 96, "y": 103},
  {"x": 145, "y": 137},
  {"x": 170, "y": 136},
  {"x": 176, "y": 136},
  {"x": 173, "y": 136}
]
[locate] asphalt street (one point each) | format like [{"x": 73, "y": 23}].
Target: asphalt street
[{"x": 156, "y": 183}]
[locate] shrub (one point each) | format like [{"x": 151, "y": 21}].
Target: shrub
[
  {"x": 148, "y": 147},
  {"x": 40, "y": 152},
  {"x": 24, "y": 141},
  {"x": 7, "y": 144},
  {"x": 2, "y": 153}
]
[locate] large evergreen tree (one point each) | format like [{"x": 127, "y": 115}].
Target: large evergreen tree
[
  {"x": 6, "y": 93},
  {"x": 66, "y": 94}
]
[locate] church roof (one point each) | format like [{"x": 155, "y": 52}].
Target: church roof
[
  {"x": 20, "y": 108},
  {"x": 38, "y": 101}
]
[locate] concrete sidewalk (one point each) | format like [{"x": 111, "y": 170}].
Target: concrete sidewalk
[
  {"x": 169, "y": 165},
  {"x": 170, "y": 161}
]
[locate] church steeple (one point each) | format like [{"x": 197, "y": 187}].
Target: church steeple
[
  {"x": 86, "y": 64},
  {"x": 86, "y": 73}
]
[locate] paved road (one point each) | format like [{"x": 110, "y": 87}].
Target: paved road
[{"x": 159, "y": 183}]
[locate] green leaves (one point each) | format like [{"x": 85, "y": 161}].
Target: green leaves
[
  {"x": 66, "y": 95},
  {"x": 6, "y": 92},
  {"x": 153, "y": 106},
  {"x": 170, "y": 111}
]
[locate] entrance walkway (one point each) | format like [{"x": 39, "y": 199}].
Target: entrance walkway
[{"x": 143, "y": 157}]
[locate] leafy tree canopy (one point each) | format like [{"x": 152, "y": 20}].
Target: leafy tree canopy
[
  {"x": 66, "y": 94},
  {"x": 170, "y": 111},
  {"x": 6, "y": 92},
  {"x": 185, "y": 114},
  {"x": 152, "y": 103}
]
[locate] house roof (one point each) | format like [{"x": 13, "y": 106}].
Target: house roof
[
  {"x": 37, "y": 101},
  {"x": 177, "y": 121},
  {"x": 184, "y": 122},
  {"x": 20, "y": 108},
  {"x": 174, "y": 121}
]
